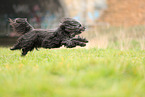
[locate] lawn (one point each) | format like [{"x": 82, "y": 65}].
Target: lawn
[{"x": 78, "y": 72}]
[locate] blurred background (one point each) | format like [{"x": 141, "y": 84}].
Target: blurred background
[{"x": 110, "y": 23}]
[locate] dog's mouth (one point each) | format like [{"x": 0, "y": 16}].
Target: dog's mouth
[
  {"x": 76, "y": 34},
  {"x": 83, "y": 28}
]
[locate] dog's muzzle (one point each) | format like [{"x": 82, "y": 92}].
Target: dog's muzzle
[{"x": 83, "y": 28}]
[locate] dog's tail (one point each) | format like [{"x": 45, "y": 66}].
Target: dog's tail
[{"x": 20, "y": 25}]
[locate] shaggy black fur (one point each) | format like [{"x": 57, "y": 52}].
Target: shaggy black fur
[{"x": 36, "y": 38}]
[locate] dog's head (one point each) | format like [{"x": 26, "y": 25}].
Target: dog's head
[
  {"x": 72, "y": 27},
  {"x": 20, "y": 25}
]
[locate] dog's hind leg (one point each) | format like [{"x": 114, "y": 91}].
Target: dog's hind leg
[
  {"x": 24, "y": 52},
  {"x": 37, "y": 49},
  {"x": 15, "y": 47}
]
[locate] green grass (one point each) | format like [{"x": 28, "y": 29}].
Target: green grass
[{"x": 75, "y": 72}]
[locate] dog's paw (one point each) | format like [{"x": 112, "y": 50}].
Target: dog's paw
[
  {"x": 85, "y": 40},
  {"x": 82, "y": 44},
  {"x": 82, "y": 39}
]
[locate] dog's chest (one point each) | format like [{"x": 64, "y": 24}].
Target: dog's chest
[{"x": 52, "y": 42}]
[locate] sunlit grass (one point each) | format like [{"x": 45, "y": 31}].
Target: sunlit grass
[{"x": 78, "y": 72}]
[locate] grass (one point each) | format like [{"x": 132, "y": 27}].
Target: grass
[
  {"x": 112, "y": 65},
  {"x": 122, "y": 38},
  {"x": 78, "y": 72}
]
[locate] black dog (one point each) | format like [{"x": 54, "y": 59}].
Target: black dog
[{"x": 35, "y": 38}]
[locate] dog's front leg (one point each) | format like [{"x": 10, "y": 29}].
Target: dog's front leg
[
  {"x": 80, "y": 39},
  {"x": 68, "y": 43},
  {"x": 72, "y": 43},
  {"x": 79, "y": 43}
]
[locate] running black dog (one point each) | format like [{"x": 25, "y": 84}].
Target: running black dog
[{"x": 35, "y": 38}]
